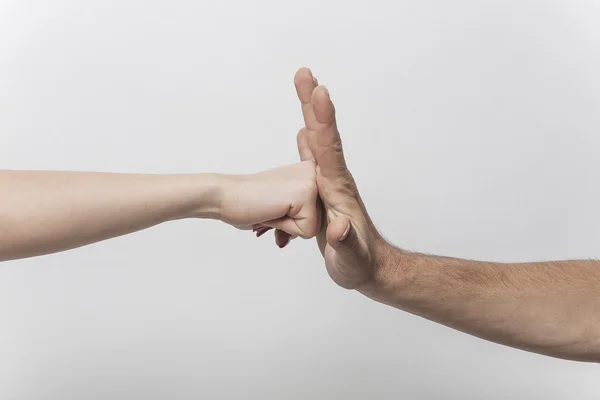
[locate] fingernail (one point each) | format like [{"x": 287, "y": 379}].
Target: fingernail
[
  {"x": 346, "y": 232},
  {"x": 289, "y": 239},
  {"x": 261, "y": 232},
  {"x": 316, "y": 82}
]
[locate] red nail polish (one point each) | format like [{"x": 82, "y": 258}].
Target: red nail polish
[
  {"x": 261, "y": 232},
  {"x": 286, "y": 243}
]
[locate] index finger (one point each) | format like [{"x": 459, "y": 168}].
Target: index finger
[{"x": 303, "y": 147}]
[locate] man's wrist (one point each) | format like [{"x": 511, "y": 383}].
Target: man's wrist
[{"x": 391, "y": 268}]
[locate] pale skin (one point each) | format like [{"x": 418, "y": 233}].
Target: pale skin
[
  {"x": 551, "y": 308},
  {"x": 44, "y": 212}
]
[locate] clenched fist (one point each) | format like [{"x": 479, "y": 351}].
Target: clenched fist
[{"x": 284, "y": 198}]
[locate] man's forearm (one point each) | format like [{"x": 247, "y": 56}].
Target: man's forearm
[
  {"x": 46, "y": 212},
  {"x": 551, "y": 308}
]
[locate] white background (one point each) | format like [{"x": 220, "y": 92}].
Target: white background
[{"x": 472, "y": 128}]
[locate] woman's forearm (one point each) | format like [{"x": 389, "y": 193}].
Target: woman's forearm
[
  {"x": 45, "y": 212},
  {"x": 551, "y": 308}
]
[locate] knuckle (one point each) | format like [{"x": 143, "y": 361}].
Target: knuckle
[
  {"x": 301, "y": 135},
  {"x": 336, "y": 145},
  {"x": 311, "y": 165},
  {"x": 307, "y": 233}
]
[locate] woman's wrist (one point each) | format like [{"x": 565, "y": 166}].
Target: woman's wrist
[{"x": 201, "y": 195}]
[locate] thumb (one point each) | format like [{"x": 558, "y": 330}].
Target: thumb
[
  {"x": 348, "y": 263},
  {"x": 341, "y": 235}
]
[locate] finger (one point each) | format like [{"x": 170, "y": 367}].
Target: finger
[
  {"x": 305, "y": 228},
  {"x": 282, "y": 238},
  {"x": 341, "y": 235},
  {"x": 303, "y": 148},
  {"x": 292, "y": 237},
  {"x": 262, "y": 231},
  {"x": 346, "y": 255},
  {"x": 305, "y": 83},
  {"x": 324, "y": 141},
  {"x": 287, "y": 225}
]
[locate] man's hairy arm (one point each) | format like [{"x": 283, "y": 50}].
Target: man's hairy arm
[{"x": 551, "y": 308}]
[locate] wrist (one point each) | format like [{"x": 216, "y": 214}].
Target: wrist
[
  {"x": 208, "y": 193},
  {"x": 392, "y": 271}
]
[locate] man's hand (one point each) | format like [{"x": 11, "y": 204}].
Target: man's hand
[
  {"x": 347, "y": 238},
  {"x": 546, "y": 307},
  {"x": 284, "y": 198}
]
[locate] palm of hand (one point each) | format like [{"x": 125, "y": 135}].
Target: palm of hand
[{"x": 348, "y": 263}]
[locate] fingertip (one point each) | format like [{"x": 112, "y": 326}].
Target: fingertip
[
  {"x": 322, "y": 105},
  {"x": 303, "y": 76},
  {"x": 305, "y": 84},
  {"x": 345, "y": 234},
  {"x": 282, "y": 238},
  {"x": 304, "y": 70},
  {"x": 303, "y": 146},
  {"x": 321, "y": 93},
  {"x": 286, "y": 243},
  {"x": 338, "y": 230},
  {"x": 262, "y": 231}
]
